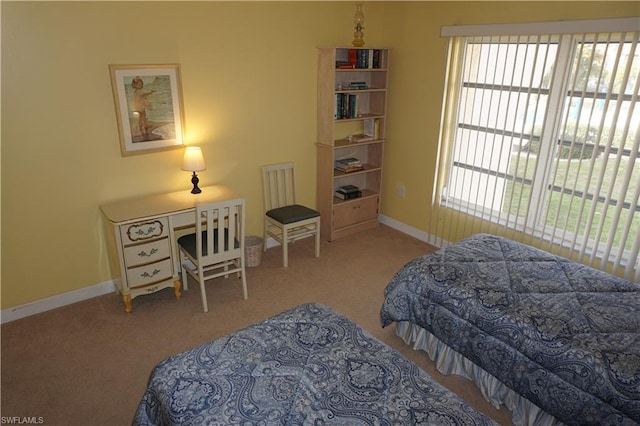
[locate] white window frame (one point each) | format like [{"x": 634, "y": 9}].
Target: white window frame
[{"x": 556, "y": 99}]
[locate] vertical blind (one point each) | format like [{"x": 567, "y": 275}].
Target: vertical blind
[{"x": 539, "y": 140}]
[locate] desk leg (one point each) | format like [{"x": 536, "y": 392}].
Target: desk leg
[
  {"x": 126, "y": 298},
  {"x": 176, "y": 289}
]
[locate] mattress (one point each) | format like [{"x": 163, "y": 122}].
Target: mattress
[
  {"x": 561, "y": 335},
  {"x": 308, "y": 365}
]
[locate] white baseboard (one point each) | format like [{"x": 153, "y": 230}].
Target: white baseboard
[
  {"x": 411, "y": 231},
  {"x": 404, "y": 228},
  {"x": 53, "y": 302}
]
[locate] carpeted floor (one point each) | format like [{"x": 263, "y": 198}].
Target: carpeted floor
[{"x": 88, "y": 363}]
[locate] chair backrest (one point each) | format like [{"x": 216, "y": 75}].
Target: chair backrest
[
  {"x": 220, "y": 231},
  {"x": 278, "y": 185}
]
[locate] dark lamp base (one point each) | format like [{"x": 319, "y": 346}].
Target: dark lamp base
[{"x": 194, "y": 181}]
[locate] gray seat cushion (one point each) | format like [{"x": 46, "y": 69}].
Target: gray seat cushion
[
  {"x": 292, "y": 213},
  {"x": 188, "y": 242}
]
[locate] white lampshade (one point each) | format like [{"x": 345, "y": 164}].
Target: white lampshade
[{"x": 193, "y": 160}]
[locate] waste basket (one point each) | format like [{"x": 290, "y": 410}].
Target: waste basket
[{"x": 252, "y": 251}]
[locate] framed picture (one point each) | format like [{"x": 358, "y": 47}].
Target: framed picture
[{"x": 149, "y": 110}]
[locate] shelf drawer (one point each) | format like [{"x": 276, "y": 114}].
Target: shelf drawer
[
  {"x": 355, "y": 211},
  {"x": 146, "y": 253},
  {"x": 145, "y": 230},
  {"x": 149, "y": 274}
]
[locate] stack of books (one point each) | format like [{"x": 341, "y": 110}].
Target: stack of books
[
  {"x": 354, "y": 85},
  {"x": 347, "y": 192},
  {"x": 348, "y": 165}
]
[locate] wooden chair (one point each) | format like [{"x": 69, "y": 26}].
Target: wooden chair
[
  {"x": 286, "y": 221},
  {"x": 217, "y": 247}
]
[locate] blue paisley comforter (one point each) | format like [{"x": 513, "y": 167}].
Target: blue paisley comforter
[
  {"x": 308, "y": 365},
  {"x": 562, "y": 335}
]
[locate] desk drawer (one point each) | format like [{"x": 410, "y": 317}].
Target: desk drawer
[
  {"x": 145, "y": 230},
  {"x": 146, "y": 253},
  {"x": 149, "y": 274}
]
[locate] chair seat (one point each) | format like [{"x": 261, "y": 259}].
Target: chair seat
[
  {"x": 188, "y": 242},
  {"x": 292, "y": 213}
]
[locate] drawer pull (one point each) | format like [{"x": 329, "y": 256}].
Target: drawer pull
[
  {"x": 150, "y": 275},
  {"x": 145, "y": 254}
]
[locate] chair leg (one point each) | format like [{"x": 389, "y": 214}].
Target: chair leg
[
  {"x": 264, "y": 240},
  {"x": 203, "y": 292},
  {"x": 317, "y": 240},
  {"x": 184, "y": 272},
  {"x": 245, "y": 293},
  {"x": 285, "y": 249}
]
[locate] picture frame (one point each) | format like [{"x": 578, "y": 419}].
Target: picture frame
[{"x": 149, "y": 109}]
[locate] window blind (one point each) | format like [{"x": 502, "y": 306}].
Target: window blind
[{"x": 539, "y": 140}]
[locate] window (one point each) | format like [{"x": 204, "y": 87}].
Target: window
[{"x": 542, "y": 139}]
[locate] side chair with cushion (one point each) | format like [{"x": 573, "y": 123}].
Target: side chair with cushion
[
  {"x": 286, "y": 221},
  {"x": 217, "y": 247}
]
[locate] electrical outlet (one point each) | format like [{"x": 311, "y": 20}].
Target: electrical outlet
[{"x": 401, "y": 190}]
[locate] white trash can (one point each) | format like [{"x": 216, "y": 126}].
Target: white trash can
[{"x": 252, "y": 251}]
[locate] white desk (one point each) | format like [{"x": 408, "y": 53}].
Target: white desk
[{"x": 144, "y": 238}]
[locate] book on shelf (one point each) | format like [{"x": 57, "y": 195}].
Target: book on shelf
[
  {"x": 348, "y": 196},
  {"x": 346, "y": 106},
  {"x": 361, "y": 59},
  {"x": 359, "y": 138},
  {"x": 348, "y": 165},
  {"x": 375, "y": 61},
  {"x": 372, "y": 128},
  {"x": 349, "y": 169},
  {"x": 352, "y": 56},
  {"x": 347, "y": 192},
  {"x": 348, "y": 188},
  {"x": 353, "y": 85},
  {"x": 344, "y": 65},
  {"x": 348, "y": 161}
]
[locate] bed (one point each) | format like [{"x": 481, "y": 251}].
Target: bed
[
  {"x": 553, "y": 340},
  {"x": 308, "y": 365}
]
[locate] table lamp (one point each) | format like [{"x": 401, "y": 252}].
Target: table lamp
[{"x": 193, "y": 161}]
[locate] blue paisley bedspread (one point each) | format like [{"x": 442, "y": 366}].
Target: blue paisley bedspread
[
  {"x": 308, "y": 365},
  {"x": 560, "y": 334}
]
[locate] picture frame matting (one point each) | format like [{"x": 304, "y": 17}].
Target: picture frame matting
[{"x": 149, "y": 107}]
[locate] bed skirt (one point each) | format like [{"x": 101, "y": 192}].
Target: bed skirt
[{"x": 448, "y": 361}]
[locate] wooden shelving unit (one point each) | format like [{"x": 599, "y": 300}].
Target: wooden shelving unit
[{"x": 352, "y": 105}]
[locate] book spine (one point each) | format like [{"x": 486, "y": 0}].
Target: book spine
[
  {"x": 348, "y": 196},
  {"x": 353, "y": 57},
  {"x": 353, "y": 106},
  {"x": 344, "y": 113}
]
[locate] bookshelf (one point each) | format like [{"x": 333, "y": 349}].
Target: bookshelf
[{"x": 352, "y": 100}]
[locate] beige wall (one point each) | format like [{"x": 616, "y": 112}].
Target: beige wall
[{"x": 248, "y": 77}]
